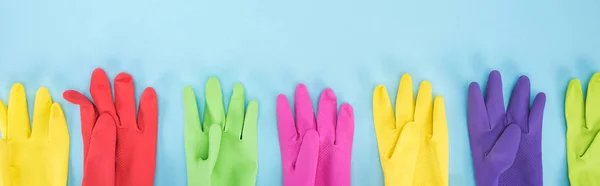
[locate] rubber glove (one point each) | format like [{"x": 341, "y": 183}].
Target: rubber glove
[
  {"x": 506, "y": 146},
  {"x": 135, "y": 150},
  {"x": 239, "y": 136},
  {"x": 335, "y": 133},
  {"x": 582, "y": 129},
  {"x": 413, "y": 142},
  {"x": 37, "y": 156}
]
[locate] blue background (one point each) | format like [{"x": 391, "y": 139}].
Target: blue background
[{"x": 272, "y": 45}]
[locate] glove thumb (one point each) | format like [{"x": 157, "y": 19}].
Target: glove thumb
[
  {"x": 99, "y": 164},
  {"x": 306, "y": 164},
  {"x": 503, "y": 154},
  {"x": 214, "y": 145}
]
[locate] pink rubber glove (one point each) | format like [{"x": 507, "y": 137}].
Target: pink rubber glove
[{"x": 297, "y": 141}]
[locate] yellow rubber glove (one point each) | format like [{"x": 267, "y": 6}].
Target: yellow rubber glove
[
  {"x": 37, "y": 157},
  {"x": 413, "y": 142}
]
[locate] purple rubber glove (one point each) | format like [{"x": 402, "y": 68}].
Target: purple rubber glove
[
  {"x": 299, "y": 149},
  {"x": 506, "y": 146}
]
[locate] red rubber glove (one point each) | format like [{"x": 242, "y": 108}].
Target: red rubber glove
[{"x": 118, "y": 149}]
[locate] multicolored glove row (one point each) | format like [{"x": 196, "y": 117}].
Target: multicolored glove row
[{"x": 316, "y": 148}]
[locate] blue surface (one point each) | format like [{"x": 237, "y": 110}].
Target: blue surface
[{"x": 271, "y": 45}]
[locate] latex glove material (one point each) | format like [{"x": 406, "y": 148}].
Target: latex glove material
[
  {"x": 505, "y": 145},
  {"x": 37, "y": 155},
  {"x": 335, "y": 133},
  {"x": 413, "y": 142},
  {"x": 4, "y": 166},
  {"x": 112, "y": 133},
  {"x": 583, "y": 119},
  {"x": 299, "y": 148},
  {"x": 202, "y": 143},
  {"x": 236, "y": 161}
]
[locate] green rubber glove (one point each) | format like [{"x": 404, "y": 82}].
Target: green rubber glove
[
  {"x": 583, "y": 125},
  {"x": 237, "y": 159}
]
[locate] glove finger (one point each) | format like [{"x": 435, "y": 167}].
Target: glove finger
[
  {"x": 235, "y": 112},
  {"x": 494, "y": 100},
  {"x": 574, "y": 114},
  {"x": 18, "y": 116},
  {"x": 146, "y": 139},
  {"x": 305, "y": 116},
  {"x": 288, "y": 135},
  {"x": 574, "y": 107},
  {"x": 440, "y": 126},
  {"x": 214, "y": 111},
  {"x": 592, "y": 108},
  {"x": 345, "y": 128},
  {"x": 101, "y": 92},
  {"x": 504, "y": 151},
  {"x": 58, "y": 138},
  {"x": 99, "y": 167},
  {"x": 385, "y": 122},
  {"x": 192, "y": 127},
  {"x": 424, "y": 109},
  {"x": 518, "y": 108},
  {"x": 306, "y": 164},
  {"x": 477, "y": 116},
  {"x": 41, "y": 114},
  {"x": 405, "y": 102},
  {"x": 249, "y": 136},
  {"x": 285, "y": 121},
  {"x": 87, "y": 111},
  {"x": 440, "y": 135},
  {"x": 327, "y": 116},
  {"x": 125, "y": 101},
  {"x": 383, "y": 113},
  {"x": 148, "y": 113},
  {"x": 58, "y": 130},
  {"x": 536, "y": 116},
  {"x": 148, "y": 123}
]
